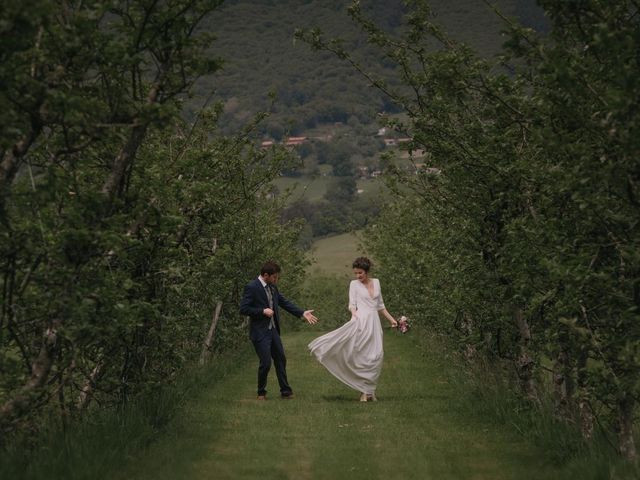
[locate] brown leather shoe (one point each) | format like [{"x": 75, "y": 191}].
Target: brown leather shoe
[
  {"x": 287, "y": 397},
  {"x": 261, "y": 397}
]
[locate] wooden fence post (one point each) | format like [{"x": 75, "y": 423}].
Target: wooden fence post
[{"x": 206, "y": 347}]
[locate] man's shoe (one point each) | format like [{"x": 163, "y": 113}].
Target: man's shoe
[
  {"x": 287, "y": 396},
  {"x": 261, "y": 397}
]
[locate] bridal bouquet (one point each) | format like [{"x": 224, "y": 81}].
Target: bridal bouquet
[{"x": 403, "y": 324}]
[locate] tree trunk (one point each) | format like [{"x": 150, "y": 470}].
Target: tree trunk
[
  {"x": 584, "y": 406},
  {"x": 86, "y": 394},
  {"x": 560, "y": 393},
  {"x": 123, "y": 160},
  {"x": 626, "y": 443},
  {"x": 128, "y": 152},
  {"x": 12, "y": 159},
  {"x": 40, "y": 369},
  {"x": 466, "y": 328},
  {"x": 206, "y": 347},
  {"x": 586, "y": 418},
  {"x": 524, "y": 362},
  {"x": 563, "y": 382}
]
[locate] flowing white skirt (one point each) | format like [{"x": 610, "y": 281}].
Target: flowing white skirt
[{"x": 353, "y": 353}]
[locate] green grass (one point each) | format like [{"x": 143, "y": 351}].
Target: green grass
[
  {"x": 373, "y": 187},
  {"x": 415, "y": 430},
  {"x": 314, "y": 188},
  {"x": 311, "y": 189},
  {"x": 96, "y": 445},
  {"x": 334, "y": 255},
  {"x": 207, "y": 424}
]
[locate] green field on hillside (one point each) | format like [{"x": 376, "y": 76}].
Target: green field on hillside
[
  {"x": 311, "y": 189},
  {"x": 371, "y": 187},
  {"x": 334, "y": 255}
]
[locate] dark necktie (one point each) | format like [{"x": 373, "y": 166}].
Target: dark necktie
[{"x": 270, "y": 297}]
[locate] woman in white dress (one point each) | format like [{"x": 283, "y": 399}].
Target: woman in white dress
[{"x": 353, "y": 353}]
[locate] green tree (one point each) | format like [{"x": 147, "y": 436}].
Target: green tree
[
  {"x": 122, "y": 226},
  {"x": 522, "y": 230},
  {"x": 343, "y": 191}
]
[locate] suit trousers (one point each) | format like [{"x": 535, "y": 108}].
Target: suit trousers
[{"x": 268, "y": 347}]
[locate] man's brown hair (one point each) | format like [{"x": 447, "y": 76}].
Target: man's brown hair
[{"x": 269, "y": 268}]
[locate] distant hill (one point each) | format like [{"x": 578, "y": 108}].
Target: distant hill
[
  {"x": 322, "y": 99},
  {"x": 255, "y": 37}
]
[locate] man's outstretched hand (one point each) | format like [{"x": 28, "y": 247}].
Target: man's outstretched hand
[{"x": 310, "y": 317}]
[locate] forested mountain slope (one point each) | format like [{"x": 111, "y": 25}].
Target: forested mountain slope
[{"x": 255, "y": 39}]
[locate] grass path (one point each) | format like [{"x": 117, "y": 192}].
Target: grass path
[{"x": 413, "y": 432}]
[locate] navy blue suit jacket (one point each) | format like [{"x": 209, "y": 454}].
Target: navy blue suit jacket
[{"x": 255, "y": 300}]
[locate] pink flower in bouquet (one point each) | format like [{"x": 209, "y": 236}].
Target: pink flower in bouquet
[{"x": 403, "y": 324}]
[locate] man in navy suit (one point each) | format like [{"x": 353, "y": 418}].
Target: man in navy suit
[{"x": 261, "y": 302}]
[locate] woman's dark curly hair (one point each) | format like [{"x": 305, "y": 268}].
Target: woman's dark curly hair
[{"x": 363, "y": 263}]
